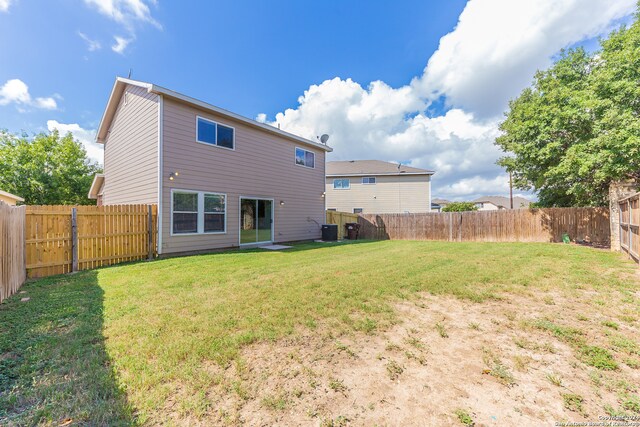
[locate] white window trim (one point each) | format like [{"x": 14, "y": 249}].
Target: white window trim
[
  {"x": 273, "y": 220},
  {"x": 342, "y": 188},
  {"x": 200, "y": 212},
  {"x": 368, "y": 178},
  {"x": 216, "y": 144},
  {"x": 307, "y": 151}
]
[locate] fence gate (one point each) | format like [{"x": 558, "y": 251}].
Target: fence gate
[
  {"x": 61, "y": 239},
  {"x": 12, "y": 260},
  {"x": 629, "y": 225}
]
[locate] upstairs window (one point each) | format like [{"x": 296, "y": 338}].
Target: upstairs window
[
  {"x": 341, "y": 184},
  {"x": 210, "y": 132},
  {"x": 357, "y": 210},
  {"x": 369, "y": 180},
  {"x": 305, "y": 158}
]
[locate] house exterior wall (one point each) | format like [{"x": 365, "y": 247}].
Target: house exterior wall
[
  {"x": 261, "y": 165},
  {"x": 390, "y": 194},
  {"x": 131, "y": 150},
  {"x": 8, "y": 200},
  {"x": 487, "y": 206}
]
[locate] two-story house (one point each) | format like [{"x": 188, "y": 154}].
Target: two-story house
[
  {"x": 219, "y": 179},
  {"x": 374, "y": 186}
]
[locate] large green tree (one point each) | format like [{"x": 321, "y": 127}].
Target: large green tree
[
  {"x": 47, "y": 169},
  {"x": 577, "y": 128}
]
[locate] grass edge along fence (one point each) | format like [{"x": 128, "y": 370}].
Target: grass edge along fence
[
  {"x": 12, "y": 252},
  {"x": 589, "y": 225},
  {"x": 61, "y": 239},
  {"x": 630, "y": 226}
]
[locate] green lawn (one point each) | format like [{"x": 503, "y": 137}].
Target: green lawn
[{"x": 115, "y": 345}]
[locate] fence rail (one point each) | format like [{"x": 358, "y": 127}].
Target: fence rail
[
  {"x": 61, "y": 239},
  {"x": 12, "y": 258},
  {"x": 589, "y": 225},
  {"x": 629, "y": 226}
]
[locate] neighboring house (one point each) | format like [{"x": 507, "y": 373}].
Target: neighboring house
[
  {"x": 97, "y": 187},
  {"x": 10, "y": 199},
  {"x": 439, "y": 204},
  {"x": 220, "y": 180},
  {"x": 374, "y": 186},
  {"x": 492, "y": 203}
]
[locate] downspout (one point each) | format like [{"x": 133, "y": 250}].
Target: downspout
[
  {"x": 160, "y": 169},
  {"x": 430, "y": 177}
]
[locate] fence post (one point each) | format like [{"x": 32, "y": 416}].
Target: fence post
[
  {"x": 74, "y": 239},
  {"x": 629, "y": 221},
  {"x": 450, "y": 226},
  {"x": 150, "y": 237}
]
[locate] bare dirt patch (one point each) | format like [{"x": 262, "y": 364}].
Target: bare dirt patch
[{"x": 497, "y": 362}]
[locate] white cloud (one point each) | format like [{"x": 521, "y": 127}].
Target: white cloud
[
  {"x": 261, "y": 118},
  {"x": 487, "y": 59},
  {"x": 498, "y": 44},
  {"x": 129, "y": 14},
  {"x": 120, "y": 45},
  {"x": 15, "y": 91},
  {"x": 92, "y": 45},
  {"x": 87, "y": 137},
  {"x": 4, "y": 5},
  {"x": 125, "y": 12}
]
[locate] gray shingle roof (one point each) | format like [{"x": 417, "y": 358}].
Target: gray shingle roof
[
  {"x": 440, "y": 201},
  {"x": 371, "y": 167}
]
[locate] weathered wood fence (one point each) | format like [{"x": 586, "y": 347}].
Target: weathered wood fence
[
  {"x": 62, "y": 239},
  {"x": 341, "y": 218},
  {"x": 12, "y": 256},
  {"x": 629, "y": 226},
  {"x": 589, "y": 225}
]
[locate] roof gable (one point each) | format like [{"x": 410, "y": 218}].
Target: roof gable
[{"x": 121, "y": 83}]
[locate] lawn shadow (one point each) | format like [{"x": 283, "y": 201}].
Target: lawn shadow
[{"x": 54, "y": 366}]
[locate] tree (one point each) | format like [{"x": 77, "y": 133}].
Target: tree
[
  {"x": 460, "y": 207},
  {"x": 577, "y": 128},
  {"x": 47, "y": 169}
]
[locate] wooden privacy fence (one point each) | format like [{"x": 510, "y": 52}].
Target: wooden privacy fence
[
  {"x": 341, "y": 218},
  {"x": 629, "y": 225},
  {"x": 12, "y": 259},
  {"x": 61, "y": 239},
  {"x": 589, "y": 225}
]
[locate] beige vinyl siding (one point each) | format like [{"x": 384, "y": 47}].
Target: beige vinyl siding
[
  {"x": 8, "y": 200},
  {"x": 390, "y": 194},
  {"x": 262, "y": 165},
  {"x": 488, "y": 206},
  {"x": 131, "y": 150}
]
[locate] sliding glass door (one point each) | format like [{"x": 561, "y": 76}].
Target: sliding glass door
[{"x": 256, "y": 221}]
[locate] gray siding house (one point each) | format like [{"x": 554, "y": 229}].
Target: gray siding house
[{"x": 220, "y": 180}]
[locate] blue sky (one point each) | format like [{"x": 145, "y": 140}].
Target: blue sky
[
  {"x": 248, "y": 58},
  {"x": 422, "y": 82}
]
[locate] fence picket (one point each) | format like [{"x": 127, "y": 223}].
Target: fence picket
[
  {"x": 106, "y": 235},
  {"x": 590, "y": 225}
]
